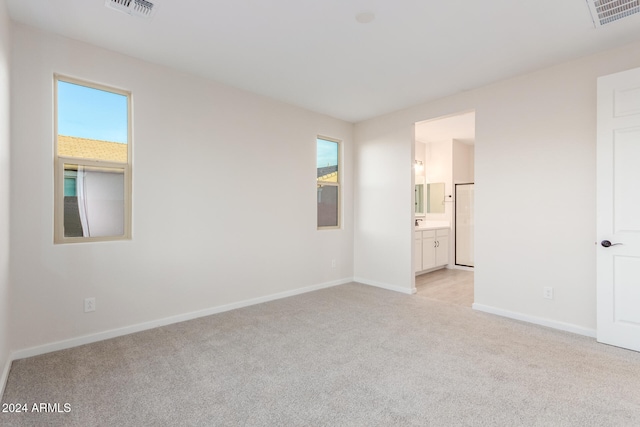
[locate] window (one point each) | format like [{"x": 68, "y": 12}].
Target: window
[
  {"x": 328, "y": 183},
  {"x": 92, "y": 162}
]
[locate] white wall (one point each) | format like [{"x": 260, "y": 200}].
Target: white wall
[
  {"x": 384, "y": 205},
  {"x": 5, "y": 305},
  {"x": 224, "y": 198},
  {"x": 535, "y": 141},
  {"x": 439, "y": 168},
  {"x": 463, "y": 167},
  {"x": 463, "y": 159},
  {"x": 439, "y": 163},
  {"x": 420, "y": 154}
]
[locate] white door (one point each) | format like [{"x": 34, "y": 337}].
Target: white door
[{"x": 618, "y": 188}]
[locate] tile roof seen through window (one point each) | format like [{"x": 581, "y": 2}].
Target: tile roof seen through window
[
  {"x": 328, "y": 174},
  {"x": 71, "y": 146}
]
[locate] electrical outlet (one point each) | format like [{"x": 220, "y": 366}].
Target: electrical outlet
[
  {"x": 89, "y": 305},
  {"x": 333, "y": 263},
  {"x": 547, "y": 292}
]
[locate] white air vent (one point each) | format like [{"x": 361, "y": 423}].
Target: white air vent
[
  {"x": 606, "y": 11},
  {"x": 140, "y": 8}
]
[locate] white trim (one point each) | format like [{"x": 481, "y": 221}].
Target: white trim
[
  {"x": 5, "y": 375},
  {"x": 568, "y": 327},
  {"x": 385, "y": 286},
  {"x": 461, "y": 267},
  {"x": 113, "y": 333},
  {"x": 431, "y": 270}
]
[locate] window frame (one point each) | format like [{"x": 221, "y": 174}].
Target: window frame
[
  {"x": 59, "y": 162},
  {"x": 337, "y": 184}
]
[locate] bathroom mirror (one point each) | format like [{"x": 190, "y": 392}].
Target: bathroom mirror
[{"x": 435, "y": 197}]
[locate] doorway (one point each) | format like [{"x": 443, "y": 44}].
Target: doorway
[{"x": 444, "y": 158}]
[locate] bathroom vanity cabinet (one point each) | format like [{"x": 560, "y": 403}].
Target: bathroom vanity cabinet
[{"x": 431, "y": 249}]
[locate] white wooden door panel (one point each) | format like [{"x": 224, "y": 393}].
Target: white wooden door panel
[
  {"x": 442, "y": 247},
  {"x": 625, "y": 291},
  {"x": 618, "y": 188},
  {"x": 428, "y": 249},
  {"x": 626, "y": 180}
]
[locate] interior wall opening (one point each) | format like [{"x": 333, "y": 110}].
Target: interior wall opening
[{"x": 444, "y": 195}]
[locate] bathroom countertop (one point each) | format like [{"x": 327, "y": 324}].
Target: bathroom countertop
[{"x": 431, "y": 225}]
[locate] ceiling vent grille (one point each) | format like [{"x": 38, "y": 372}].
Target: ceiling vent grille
[
  {"x": 141, "y": 8},
  {"x": 605, "y": 12}
]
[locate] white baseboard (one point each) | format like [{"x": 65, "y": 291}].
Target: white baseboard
[
  {"x": 113, "y": 333},
  {"x": 5, "y": 376},
  {"x": 568, "y": 327},
  {"x": 385, "y": 286}
]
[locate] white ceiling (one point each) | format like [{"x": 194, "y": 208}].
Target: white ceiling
[{"x": 313, "y": 53}]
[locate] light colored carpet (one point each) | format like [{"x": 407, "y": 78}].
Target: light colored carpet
[{"x": 352, "y": 355}]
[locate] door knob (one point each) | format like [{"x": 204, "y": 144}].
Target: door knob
[{"x": 607, "y": 243}]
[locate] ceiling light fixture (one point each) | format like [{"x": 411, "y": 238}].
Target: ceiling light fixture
[{"x": 365, "y": 17}]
